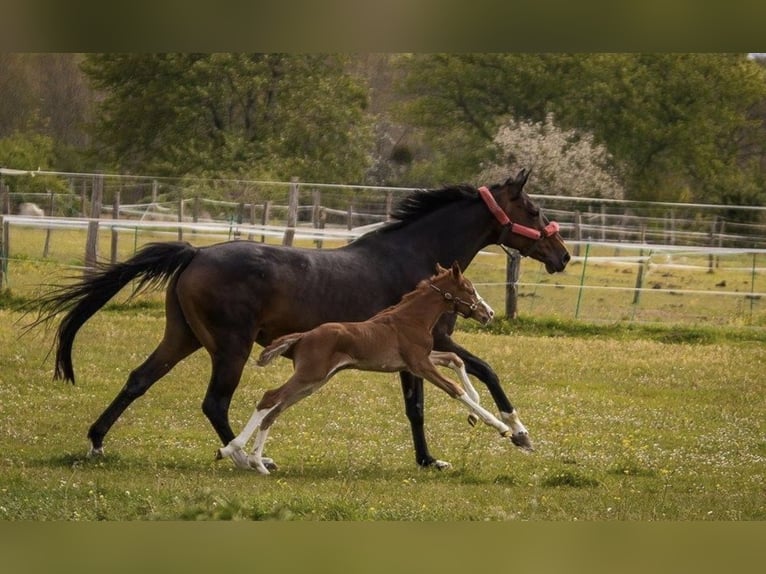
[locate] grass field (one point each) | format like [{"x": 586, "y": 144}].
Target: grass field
[
  {"x": 630, "y": 422},
  {"x": 626, "y": 428}
]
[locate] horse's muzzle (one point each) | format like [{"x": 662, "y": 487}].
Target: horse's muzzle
[{"x": 559, "y": 264}]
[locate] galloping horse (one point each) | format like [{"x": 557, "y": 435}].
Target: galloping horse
[
  {"x": 396, "y": 339},
  {"x": 228, "y": 296}
]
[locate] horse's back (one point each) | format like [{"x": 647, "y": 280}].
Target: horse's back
[{"x": 272, "y": 290}]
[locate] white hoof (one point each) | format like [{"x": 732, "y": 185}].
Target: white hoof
[
  {"x": 95, "y": 452},
  {"x": 260, "y": 467},
  {"x": 240, "y": 459},
  {"x": 441, "y": 465},
  {"x": 265, "y": 461}
]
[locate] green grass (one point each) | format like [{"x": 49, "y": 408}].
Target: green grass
[
  {"x": 632, "y": 418},
  {"x": 625, "y": 429},
  {"x": 680, "y": 289}
]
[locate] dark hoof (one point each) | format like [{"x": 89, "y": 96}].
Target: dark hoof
[
  {"x": 473, "y": 419},
  {"x": 270, "y": 465},
  {"x": 218, "y": 455},
  {"x": 522, "y": 441}
]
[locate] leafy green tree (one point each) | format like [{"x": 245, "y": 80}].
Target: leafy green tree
[
  {"x": 265, "y": 115},
  {"x": 676, "y": 125},
  {"x": 32, "y": 152}
]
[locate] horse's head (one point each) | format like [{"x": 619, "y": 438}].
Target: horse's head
[
  {"x": 522, "y": 226},
  {"x": 461, "y": 294}
]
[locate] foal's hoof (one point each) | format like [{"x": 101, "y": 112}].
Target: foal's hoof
[
  {"x": 268, "y": 463},
  {"x": 522, "y": 441},
  {"x": 473, "y": 419}
]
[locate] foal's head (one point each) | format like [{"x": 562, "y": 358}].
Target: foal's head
[{"x": 461, "y": 294}]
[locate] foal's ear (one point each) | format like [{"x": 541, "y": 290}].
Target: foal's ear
[{"x": 456, "y": 270}]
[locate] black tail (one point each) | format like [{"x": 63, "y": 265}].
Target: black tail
[{"x": 153, "y": 266}]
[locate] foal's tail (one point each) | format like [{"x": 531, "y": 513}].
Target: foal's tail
[
  {"x": 153, "y": 266},
  {"x": 277, "y": 347}
]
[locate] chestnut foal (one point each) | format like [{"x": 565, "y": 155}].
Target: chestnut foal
[{"x": 396, "y": 339}]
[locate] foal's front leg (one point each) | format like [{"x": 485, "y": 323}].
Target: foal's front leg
[
  {"x": 455, "y": 391},
  {"x": 451, "y": 360},
  {"x": 235, "y": 448}
]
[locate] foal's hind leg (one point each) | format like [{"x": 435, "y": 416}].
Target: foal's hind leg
[
  {"x": 177, "y": 343},
  {"x": 274, "y": 402}
]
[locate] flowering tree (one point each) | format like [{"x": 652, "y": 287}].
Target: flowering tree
[{"x": 564, "y": 162}]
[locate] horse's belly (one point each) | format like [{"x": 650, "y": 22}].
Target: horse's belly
[{"x": 385, "y": 363}]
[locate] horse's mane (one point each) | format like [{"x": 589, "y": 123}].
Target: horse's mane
[{"x": 424, "y": 201}]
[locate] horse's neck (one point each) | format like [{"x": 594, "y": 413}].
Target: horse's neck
[
  {"x": 423, "y": 308},
  {"x": 453, "y": 233}
]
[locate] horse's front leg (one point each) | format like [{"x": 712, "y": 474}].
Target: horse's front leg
[{"x": 478, "y": 368}]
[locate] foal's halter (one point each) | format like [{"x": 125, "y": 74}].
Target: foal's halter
[
  {"x": 509, "y": 226},
  {"x": 472, "y": 305}
]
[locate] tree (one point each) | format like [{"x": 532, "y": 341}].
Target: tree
[
  {"x": 260, "y": 115},
  {"x": 564, "y": 162},
  {"x": 46, "y": 95},
  {"x": 674, "y": 124}
]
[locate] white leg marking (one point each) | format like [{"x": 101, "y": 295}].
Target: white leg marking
[
  {"x": 514, "y": 421},
  {"x": 257, "y": 457},
  {"x": 484, "y": 414},
  {"x": 235, "y": 447},
  {"x": 469, "y": 388}
]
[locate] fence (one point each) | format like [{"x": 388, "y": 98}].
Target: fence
[{"x": 632, "y": 261}]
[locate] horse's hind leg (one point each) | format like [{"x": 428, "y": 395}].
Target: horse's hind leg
[
  {"x": 226, "y": 373},
  {"x": 412, "y": 389},
  {"x": 177, "y": 343}
]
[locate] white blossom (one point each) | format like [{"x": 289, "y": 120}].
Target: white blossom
[{"x": 563, "y": 162}]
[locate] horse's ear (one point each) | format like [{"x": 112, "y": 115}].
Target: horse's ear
[
  {"x": 439, "y": 268},
  {"x": 516, "y": 184}
]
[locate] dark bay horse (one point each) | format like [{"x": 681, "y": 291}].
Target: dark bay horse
[
  {"x": 398, "y": 338},
  {"x": 228, "y": 296}
]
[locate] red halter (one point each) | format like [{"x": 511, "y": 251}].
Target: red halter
[{"x": 516, "y": 228}]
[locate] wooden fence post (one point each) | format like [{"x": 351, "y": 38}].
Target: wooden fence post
[
  {"x": 5, "y": 209},
  {"x": 292, "y": 212},
  {"x": 91, "y": 245},
  {"x": 512, "y": 272},
  {"x": 115, "y": 215},
  {"x": 240, "y": 219},
  {"x": 350, "y": 218},
  {"x": 578, "y": 233},
  {"x": 51, "y": 206},
  {"x": 180, "y": 215},
  {"x": 252, "y": 221},
  {"x": 84, "y": 198},
  {"x": 265, "y": 217},
  {"x": 318, "y": 215}
]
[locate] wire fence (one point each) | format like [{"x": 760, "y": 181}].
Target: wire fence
[{"x": 632, "y": 261}]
